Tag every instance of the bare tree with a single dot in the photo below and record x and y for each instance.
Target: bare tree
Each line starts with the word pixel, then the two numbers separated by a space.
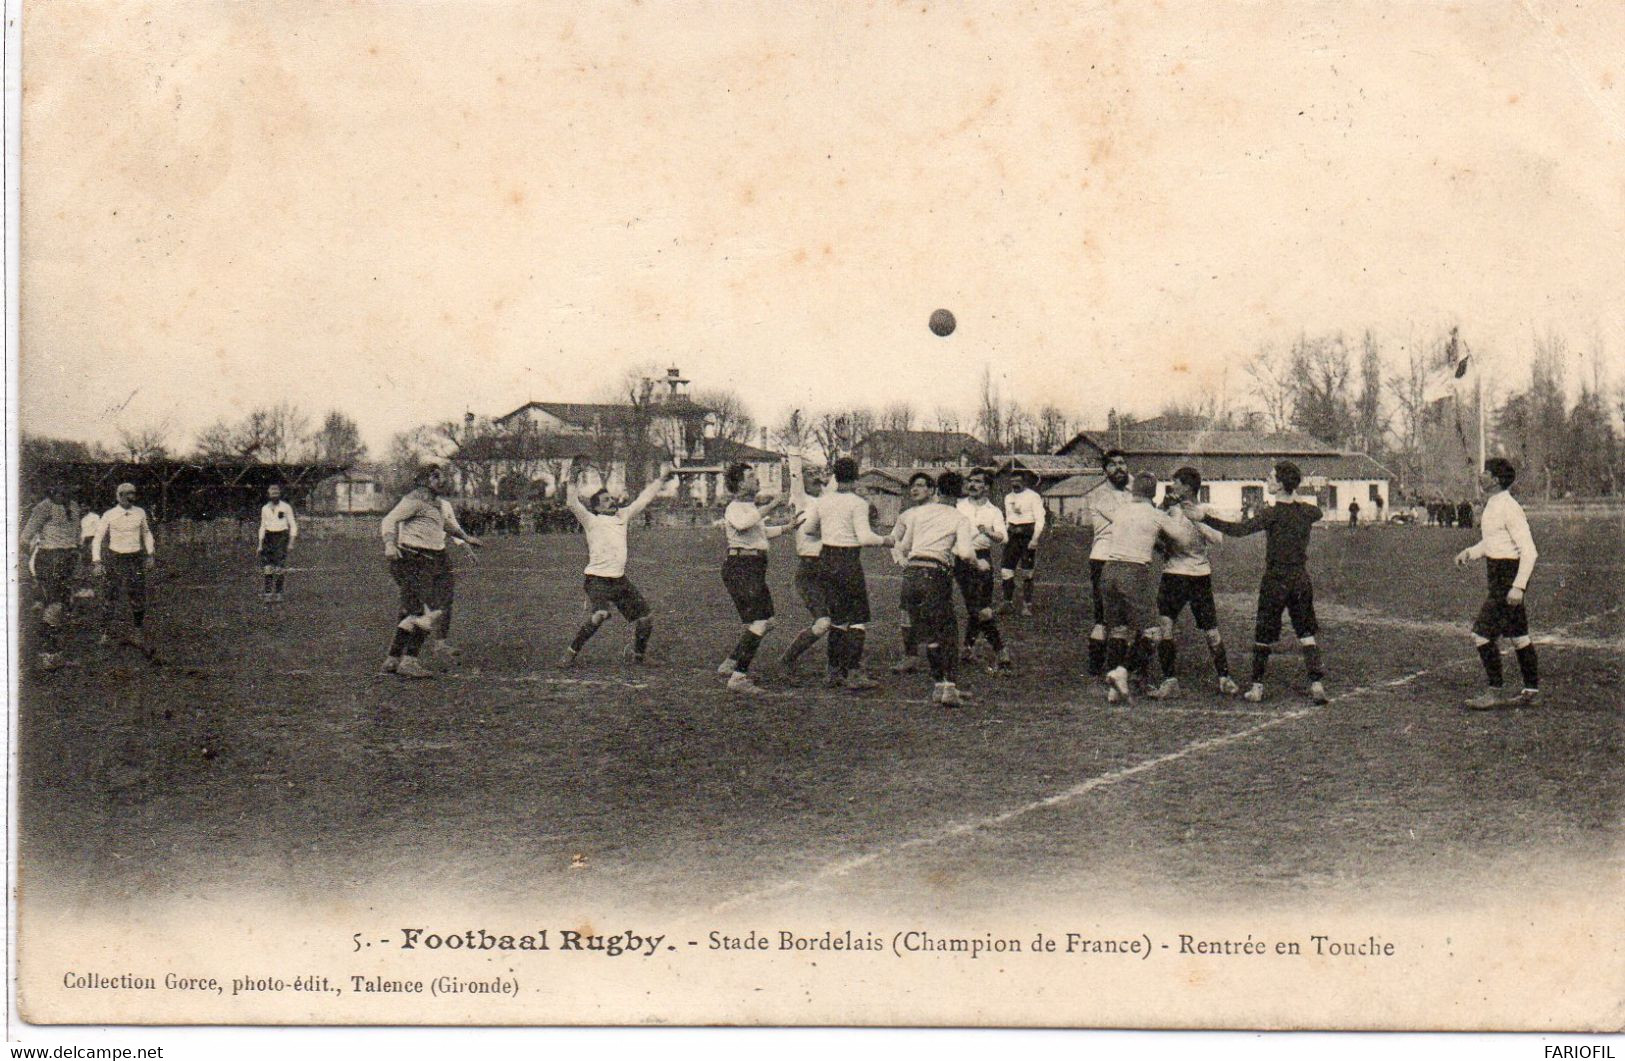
pixel 990 414
pixel 1370 425
pixel 898 416
pixel 144 444
pixel 733 420
pixel 1270 371
pixel 338 442
pixel 838 433
pixel 795 433
pixel 1053 429
pixel 945 419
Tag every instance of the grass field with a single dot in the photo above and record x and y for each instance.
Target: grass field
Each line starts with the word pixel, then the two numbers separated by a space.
pixel 266 751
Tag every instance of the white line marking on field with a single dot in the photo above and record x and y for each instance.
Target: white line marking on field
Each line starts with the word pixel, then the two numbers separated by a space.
pixel 844 866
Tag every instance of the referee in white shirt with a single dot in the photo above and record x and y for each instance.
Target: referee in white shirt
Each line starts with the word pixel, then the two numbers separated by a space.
pixel 123 552
pixel 1509 553
pixel 278 531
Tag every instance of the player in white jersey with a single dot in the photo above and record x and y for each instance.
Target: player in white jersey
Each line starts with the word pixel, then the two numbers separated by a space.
pixel 1125 584
pixel 929 538
pixel 1101 508
pixel 921 489
pixel 415 532
pixel 744 571
pixel 48 535
pixel 278 531
pixel 805 486
pixel 841 521
pixel 1187 580
pixel 1024 522
pixel 122 552
pixel 1509 556
pixel 604 581
pixel 975 577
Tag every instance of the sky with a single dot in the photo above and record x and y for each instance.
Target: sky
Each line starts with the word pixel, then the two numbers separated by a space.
pixel 409 211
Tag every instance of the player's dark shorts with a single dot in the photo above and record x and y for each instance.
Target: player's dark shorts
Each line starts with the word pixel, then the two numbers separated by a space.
pixel 1096 567
pixel 1018 552
pixel 274 549
pixel 425 579
pixel 928 600
pixel 126 578
pixel 1287 590
pixel 1497 618
pixel 1128 593
pixel 1174 592
pixel 53 575
pixel 844 587
pixel 745 576
pixel 975 585
pixel 810 586
pixel 618 593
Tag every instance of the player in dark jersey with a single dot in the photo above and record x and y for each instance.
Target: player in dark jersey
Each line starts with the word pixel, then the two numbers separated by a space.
pixel 1285 586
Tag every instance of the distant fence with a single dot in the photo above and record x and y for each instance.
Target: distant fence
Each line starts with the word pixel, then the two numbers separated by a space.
pixel 1577 506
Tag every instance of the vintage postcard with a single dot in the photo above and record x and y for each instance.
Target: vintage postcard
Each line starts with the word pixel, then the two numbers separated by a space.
pixel 1087 515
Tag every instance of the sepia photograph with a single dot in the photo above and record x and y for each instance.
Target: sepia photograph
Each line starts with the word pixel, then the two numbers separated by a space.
pixel 906 514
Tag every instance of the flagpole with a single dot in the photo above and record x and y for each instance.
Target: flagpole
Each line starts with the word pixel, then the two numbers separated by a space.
pixel 1482 455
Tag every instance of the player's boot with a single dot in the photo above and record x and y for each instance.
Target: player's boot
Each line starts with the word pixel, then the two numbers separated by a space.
pixel 936 692
pixel 1228 686
pixel 1488 700
pixel 727 667
pixel 1254 693
pixel 834 679
pixel 950 695
pixel 1003 661
pixel 1117 681
pixel 390 664
pixel 1165 691
pixel 1317 693
pixel 906 665
pixel 1026 610
pixel 1528 697
pixel 857 681
pixel 741 684
pixel 410 667
pixel 567 660
pixel 967 654
pixel 49 661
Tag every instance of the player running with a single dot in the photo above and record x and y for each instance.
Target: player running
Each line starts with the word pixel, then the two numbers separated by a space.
pixel 278 531
pixel 1101 507
pixel 604 522
pixel 1285 585
pixel 841 521
pixel 744 571
pixel 1187 580
pixel 414 534
pixel 1024 518
pixel 975 577
pixel 1509 556
pixel 929 538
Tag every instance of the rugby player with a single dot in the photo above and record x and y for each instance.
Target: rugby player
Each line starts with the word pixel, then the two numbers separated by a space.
pixel 930 537
pixel 841 521
pixel 744 571
pixel 1285 585
pixel 414 534
pixel 1187 580
pixel 975 577
pixel 1509 556
pixel 921 489
pixel 125 536
pixel 1101 507
pixel 805 486
pixel 604 521
pixel 49 535
pixel 1125 584
pixel 278 531
pixel 1024 519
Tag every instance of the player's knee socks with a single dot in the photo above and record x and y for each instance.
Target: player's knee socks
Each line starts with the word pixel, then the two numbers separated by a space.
pixel 911 644
pixel 1027 589
pixel 1009 587
pixel 936 655
pixel 1311 661
pixel 804 640
pixel 995 638
pixel 973 627
pixel 139 617
pixel 1529 665
pixel 1167 655
pixel 854 647
pixel 1116 651
pixel 1097 651
pixel 837 649
pixel 414 641
pixel 397 644
pixel 584 634
pixel 1221 661
pixel 1261 661
pixel 281 580
pixel 640 634
pixel 270 581
pixel 442 629
pixel 1489 653
pixel 1139 657
pixel 745 651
